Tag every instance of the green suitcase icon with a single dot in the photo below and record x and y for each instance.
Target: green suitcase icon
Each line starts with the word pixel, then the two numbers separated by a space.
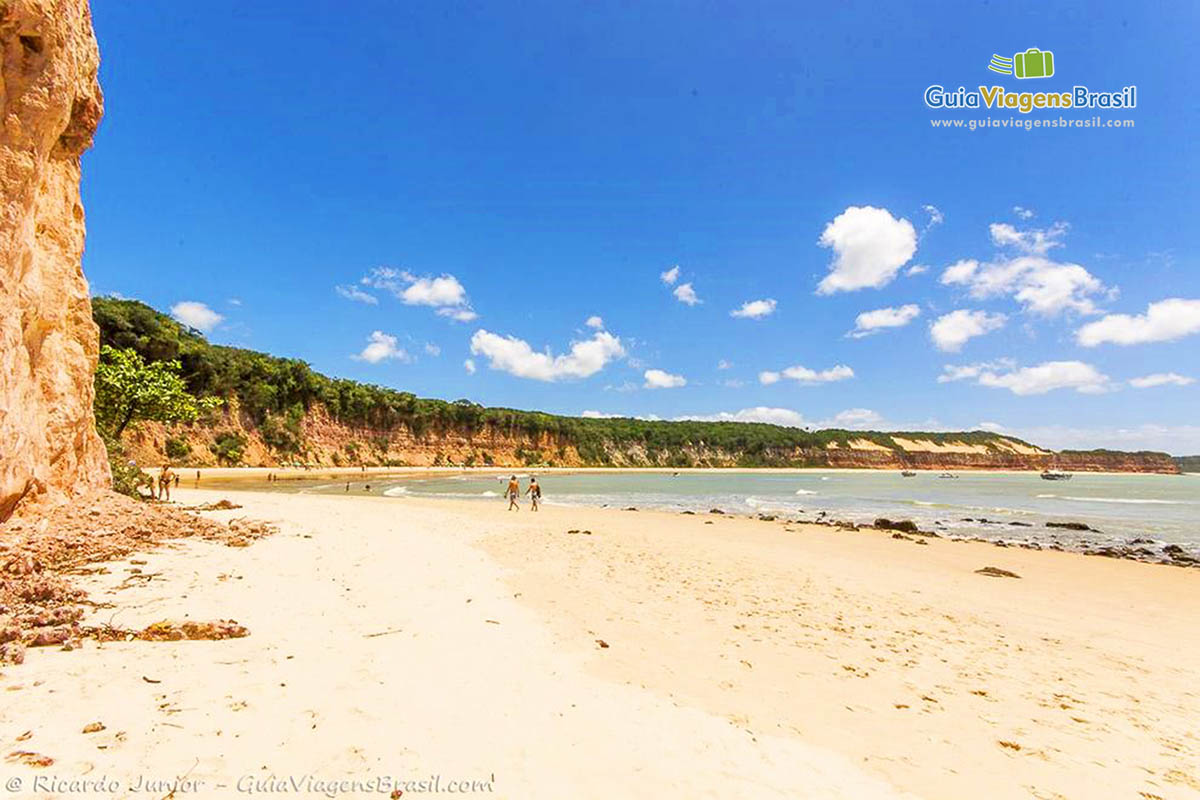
pixel 1034 63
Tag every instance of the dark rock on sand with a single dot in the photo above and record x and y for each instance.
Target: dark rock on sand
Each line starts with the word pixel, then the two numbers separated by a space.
pixel 715 511
pixel 996 572
pixel 906 525
pixel 1021 524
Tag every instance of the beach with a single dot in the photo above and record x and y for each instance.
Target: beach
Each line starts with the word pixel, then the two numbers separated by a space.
pixel 646 654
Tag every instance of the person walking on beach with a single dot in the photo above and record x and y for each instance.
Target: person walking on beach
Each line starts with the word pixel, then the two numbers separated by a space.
pixel 513 493
pixel 535 493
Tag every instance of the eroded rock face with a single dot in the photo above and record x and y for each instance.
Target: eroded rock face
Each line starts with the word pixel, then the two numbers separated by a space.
pixel 51 105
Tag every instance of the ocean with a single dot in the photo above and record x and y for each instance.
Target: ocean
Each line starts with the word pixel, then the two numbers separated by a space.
pixel 1162 508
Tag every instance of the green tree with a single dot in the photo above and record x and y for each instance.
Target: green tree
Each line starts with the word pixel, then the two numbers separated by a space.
pixel 128 389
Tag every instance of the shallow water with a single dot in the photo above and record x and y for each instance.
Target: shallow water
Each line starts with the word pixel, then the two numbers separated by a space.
pixel 1165 508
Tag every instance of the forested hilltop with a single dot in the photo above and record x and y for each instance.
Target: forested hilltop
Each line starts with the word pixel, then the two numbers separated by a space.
pixel 278 410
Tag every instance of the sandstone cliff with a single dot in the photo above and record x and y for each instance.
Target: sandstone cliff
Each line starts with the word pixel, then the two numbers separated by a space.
pixel 48 343
pixel 328 442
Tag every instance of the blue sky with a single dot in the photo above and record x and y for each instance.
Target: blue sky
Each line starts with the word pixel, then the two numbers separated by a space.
pixel 493 176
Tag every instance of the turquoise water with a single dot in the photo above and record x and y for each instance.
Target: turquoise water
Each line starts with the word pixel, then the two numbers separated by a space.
pixel 1165 508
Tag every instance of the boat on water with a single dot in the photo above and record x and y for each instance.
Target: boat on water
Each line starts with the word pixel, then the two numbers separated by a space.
pixel 948 475
pixel 908 473
pixel 1055 475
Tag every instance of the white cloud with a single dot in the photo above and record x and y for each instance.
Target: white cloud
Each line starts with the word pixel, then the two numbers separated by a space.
pixel 1163 321
pixel 869 248
pixel 196 315
pixel 1035 241
pixel 723 364
pixel 458 314
pixel 771 416
pixel 670 276
pixel 445 293
pixel 936 217
pixel 1177 439
pixel 806 376
pixel 1023 213
pixel 951 373
pixel 595 322
pixel 733 383
pixel 951 331
pixel 352 292
pixel 382 347
pixel 469 366
pixel 684 293
pixel 1042 285
pixel 432 349
pixel 515 356
pixel 1040 379
pixel 754 309
pixel 855 419
pixel 658 379
pixel 869 322
pixel 1161 379
pixel 916 269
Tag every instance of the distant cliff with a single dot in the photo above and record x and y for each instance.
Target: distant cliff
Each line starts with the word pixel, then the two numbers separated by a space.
pixel 278 411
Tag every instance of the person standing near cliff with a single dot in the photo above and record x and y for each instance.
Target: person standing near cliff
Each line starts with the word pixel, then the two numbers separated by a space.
pixel 513 493
pixel 165 477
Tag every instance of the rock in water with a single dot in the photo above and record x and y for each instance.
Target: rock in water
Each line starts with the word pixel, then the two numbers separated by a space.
pixel 48 342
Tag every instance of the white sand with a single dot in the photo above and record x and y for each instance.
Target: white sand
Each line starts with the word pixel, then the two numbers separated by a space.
pixel 745 661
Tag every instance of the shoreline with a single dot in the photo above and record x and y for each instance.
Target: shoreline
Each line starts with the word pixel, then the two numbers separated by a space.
pixel 589 652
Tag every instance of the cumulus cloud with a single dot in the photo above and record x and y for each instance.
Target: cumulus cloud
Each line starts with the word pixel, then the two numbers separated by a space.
pixel 879 320
pixel 1040 284
pixel 754 309
pixel 658 379
pixel 916 269
pixel 1161 379
pixel 685 294
pixel 515 356
pixel 444 293
pixel 196 315
pixel 1045 377
pixel 806 376
pixel 382 347
pixel 432 349
pixel 669 276
pixel 469 366
pixel 723 364
pixel 962 372
pixel 1163 321
pixel 1022 212
pixel 595 322
pixel 352 292
pixel 951 331
pixel 869 247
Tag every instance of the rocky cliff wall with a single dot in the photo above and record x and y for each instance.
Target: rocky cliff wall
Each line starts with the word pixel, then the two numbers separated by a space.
pixel 48 343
